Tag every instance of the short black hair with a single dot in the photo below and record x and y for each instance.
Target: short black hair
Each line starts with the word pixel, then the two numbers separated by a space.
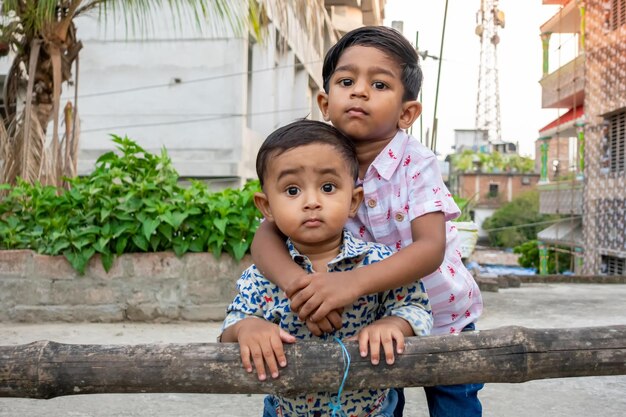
pixel 301 133
pixel 388 41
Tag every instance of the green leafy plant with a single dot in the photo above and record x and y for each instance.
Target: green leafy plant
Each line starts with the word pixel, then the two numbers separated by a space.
pixel 514 223
pixel 131 202
pixel 529 257
pixel 466 206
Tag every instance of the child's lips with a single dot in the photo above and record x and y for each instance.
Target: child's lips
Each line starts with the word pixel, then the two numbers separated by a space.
pixel 312 222
pixel 356 111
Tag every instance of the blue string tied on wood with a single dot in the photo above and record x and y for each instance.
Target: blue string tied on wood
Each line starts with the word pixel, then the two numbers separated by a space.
pixel 335 404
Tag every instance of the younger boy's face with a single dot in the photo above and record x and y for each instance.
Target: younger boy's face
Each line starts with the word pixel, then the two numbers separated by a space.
pixel 365 95
pixel 309 193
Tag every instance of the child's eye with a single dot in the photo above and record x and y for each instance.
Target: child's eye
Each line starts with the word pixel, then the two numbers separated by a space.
pixel 346 82
pixel 328 188
pixel 379 85
pixel 292 191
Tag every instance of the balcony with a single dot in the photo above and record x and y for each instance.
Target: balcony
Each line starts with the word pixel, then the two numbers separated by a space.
pixel 565 87
pixel 562 197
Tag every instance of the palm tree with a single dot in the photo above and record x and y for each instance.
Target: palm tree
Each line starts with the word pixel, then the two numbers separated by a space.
pixel 42 35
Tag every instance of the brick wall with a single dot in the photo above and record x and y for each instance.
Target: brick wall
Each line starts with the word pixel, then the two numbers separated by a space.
pixel 139 287
pixel 509 186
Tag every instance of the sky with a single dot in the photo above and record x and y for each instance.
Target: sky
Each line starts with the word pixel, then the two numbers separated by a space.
pixel 519 58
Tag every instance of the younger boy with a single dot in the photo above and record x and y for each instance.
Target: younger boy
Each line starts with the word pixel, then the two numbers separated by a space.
pixel 371 81
pixel 307 170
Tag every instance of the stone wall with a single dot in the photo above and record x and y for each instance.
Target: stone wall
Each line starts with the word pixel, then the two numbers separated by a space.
pixel 138 287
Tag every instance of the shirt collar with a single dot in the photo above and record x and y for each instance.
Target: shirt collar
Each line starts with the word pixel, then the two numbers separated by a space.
pixel 351 249
pixel 390 158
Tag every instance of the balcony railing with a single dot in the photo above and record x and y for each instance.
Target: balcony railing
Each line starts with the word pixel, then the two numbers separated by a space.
pixel 564 87
pixel 564 197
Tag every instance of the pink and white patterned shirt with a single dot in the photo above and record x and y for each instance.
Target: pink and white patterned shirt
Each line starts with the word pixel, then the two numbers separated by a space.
pixel 403 183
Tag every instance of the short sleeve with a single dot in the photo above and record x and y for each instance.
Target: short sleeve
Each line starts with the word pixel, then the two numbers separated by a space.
pixel 411 304
pixel 427 192
pixel 247 302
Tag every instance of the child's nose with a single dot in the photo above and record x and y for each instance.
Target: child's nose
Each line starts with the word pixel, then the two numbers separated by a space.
pixel 312 203
pixel 360 89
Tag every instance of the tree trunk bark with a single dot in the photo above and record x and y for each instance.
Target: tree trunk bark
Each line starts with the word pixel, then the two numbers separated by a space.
pixel 510 354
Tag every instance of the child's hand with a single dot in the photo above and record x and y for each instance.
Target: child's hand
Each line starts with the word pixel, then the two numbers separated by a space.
pixel 383 331
pixel 263 341
pixel 315 295
pixel 327 325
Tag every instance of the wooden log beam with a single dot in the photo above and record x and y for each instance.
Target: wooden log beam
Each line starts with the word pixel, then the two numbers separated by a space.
pixel 47 369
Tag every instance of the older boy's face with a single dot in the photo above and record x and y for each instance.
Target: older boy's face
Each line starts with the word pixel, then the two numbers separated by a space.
pixel 365 95
pixel 309 193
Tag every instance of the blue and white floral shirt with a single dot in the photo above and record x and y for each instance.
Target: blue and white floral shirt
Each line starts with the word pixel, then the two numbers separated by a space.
pixel 257 296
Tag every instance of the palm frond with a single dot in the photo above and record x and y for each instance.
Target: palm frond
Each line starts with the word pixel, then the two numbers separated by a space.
pixel 138 15
pixel 19 160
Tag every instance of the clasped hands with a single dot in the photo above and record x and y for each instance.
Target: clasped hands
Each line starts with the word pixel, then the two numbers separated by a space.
pixel 317 298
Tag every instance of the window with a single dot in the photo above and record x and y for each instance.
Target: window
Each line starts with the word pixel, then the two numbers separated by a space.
pixel 525 180
pixel 493 190
pixel 616 140
pixel 618 14
pixel 612 265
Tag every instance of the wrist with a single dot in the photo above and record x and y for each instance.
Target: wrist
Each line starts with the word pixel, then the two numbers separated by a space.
pixel 356 285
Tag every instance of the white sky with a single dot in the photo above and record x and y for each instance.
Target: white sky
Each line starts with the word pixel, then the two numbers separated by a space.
pixel 519 58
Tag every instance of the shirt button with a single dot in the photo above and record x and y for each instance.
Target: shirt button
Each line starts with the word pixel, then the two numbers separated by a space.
pixel 371 203
pixel 399 217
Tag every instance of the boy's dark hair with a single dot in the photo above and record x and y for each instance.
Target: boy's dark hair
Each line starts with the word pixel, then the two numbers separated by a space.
pixel 305 132
pixel 388 41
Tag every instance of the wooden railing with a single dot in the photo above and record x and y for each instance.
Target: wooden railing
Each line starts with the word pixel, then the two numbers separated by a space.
pixel 48 369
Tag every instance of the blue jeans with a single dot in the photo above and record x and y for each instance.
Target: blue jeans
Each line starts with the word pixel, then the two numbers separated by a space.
pixel 387 408
pixel 449 400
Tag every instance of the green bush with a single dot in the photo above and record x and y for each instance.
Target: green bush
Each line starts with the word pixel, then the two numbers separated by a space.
pixel 131 202
pixel 513 223
pixel 529 257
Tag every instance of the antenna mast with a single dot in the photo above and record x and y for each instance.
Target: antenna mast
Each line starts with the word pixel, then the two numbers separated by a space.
pixel 488 19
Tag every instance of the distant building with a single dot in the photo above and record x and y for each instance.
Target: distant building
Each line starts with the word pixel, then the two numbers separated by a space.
pixel 486 189
pixel 471 139
pixel 476 140
pixel 591 89
pixel 490 191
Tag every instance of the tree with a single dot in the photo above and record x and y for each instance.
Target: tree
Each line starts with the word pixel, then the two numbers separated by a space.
pixel 471 161
pixel 514 223
pixel 42 34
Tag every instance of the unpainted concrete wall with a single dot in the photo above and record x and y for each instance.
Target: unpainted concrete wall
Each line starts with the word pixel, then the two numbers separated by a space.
pixel 138 287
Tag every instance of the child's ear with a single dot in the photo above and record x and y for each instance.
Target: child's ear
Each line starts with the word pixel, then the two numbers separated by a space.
pixel 410 112
pixel 322 103
pixel 262 203
pixel 357 198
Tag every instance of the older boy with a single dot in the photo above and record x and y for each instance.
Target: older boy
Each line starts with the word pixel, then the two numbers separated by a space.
pixel 307 170
pixel 371 81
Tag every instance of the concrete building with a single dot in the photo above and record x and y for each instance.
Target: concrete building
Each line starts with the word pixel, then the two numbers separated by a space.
pixel 590 89
pixel 208 96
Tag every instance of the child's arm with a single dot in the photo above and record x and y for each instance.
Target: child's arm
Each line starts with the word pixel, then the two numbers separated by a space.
pixel 260 340
pixel 315 298
pixel 272 259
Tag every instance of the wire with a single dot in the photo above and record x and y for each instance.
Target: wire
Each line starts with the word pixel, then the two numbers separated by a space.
pixel 192 81
pixel 204 119
pixel 521 226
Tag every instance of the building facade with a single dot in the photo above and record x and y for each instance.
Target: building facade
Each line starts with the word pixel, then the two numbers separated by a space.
pixel 590 89
pixel 209 96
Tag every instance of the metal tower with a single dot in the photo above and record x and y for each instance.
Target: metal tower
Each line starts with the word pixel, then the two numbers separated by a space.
pixel 488 19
